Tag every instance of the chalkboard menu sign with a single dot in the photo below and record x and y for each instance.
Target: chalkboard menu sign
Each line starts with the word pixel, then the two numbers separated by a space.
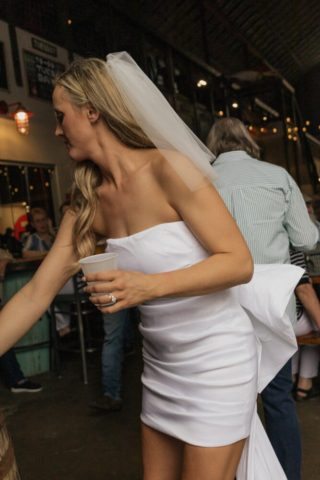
pixel 40 74
pixel 3 72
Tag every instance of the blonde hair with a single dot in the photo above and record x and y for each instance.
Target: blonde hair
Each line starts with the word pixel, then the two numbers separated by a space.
pixel 36 211
pixel 85 81
pixel 229 135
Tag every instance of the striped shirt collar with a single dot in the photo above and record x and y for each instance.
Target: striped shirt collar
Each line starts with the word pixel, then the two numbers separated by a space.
pixel 235 155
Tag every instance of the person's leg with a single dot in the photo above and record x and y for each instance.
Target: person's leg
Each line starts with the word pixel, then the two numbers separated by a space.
pixel 309 356
pixel 10 368
pixel 282 422
pixel 211 463
pixel 309 364
pixel 162 455
pixel 62 322
pixel 112 352
pixel 128 341
pixel 295 360
pixel 63 319
pixel 13 375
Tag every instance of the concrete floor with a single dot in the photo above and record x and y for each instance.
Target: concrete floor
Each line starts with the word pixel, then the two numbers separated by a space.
pixel 56 435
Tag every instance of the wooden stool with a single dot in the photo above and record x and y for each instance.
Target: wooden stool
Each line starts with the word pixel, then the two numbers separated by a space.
pixel 312 338
pixel 8 466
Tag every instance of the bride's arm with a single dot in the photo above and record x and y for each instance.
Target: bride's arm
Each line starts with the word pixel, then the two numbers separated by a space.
pixel 29 304
pixel 208 218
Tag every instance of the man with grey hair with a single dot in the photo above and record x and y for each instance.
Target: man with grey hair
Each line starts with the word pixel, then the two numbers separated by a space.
pixel 270 211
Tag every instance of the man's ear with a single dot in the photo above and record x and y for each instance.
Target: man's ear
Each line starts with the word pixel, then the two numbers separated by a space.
pixel 92 113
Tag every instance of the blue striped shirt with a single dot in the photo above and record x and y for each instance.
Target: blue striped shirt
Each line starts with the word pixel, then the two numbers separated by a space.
pixel 36 243
pixel 267 206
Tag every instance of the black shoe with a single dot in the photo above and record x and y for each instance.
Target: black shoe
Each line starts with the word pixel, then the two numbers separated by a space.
pixel 314 391
pixel 26 386
pixel 107 404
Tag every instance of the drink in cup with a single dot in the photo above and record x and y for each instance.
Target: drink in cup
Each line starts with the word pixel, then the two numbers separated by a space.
pixel 99 263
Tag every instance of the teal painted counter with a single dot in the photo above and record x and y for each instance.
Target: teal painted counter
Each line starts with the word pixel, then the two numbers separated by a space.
pixel 36 360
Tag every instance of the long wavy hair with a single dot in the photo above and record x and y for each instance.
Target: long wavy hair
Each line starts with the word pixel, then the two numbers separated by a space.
pixel 88 81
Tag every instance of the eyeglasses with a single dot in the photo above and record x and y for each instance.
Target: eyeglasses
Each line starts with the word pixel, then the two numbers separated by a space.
pixel 40 220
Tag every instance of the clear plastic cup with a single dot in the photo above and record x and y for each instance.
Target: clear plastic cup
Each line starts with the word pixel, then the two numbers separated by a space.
pixel 99 263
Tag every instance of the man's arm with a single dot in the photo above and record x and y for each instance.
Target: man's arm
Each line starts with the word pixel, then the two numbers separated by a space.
pixel 27 253
pixel 303 234
pixel 309 300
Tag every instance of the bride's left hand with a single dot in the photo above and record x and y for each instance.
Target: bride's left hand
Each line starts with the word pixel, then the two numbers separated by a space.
pixel 129 289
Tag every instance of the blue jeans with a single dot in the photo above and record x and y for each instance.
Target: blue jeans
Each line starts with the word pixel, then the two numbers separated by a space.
pixel 282 422
pixel 119 334
pixel 10 368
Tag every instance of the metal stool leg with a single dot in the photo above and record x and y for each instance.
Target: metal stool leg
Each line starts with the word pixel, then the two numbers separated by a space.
pixel 81 333
pixel 56 352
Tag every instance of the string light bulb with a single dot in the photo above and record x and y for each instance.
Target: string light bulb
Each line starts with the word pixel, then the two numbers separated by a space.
pixel 235 105
pixel 274 130
pixel 288 120
pixel 307 122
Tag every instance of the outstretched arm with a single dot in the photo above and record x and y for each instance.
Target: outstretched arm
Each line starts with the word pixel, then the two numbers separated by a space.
pixel 309 300
pixel 29 304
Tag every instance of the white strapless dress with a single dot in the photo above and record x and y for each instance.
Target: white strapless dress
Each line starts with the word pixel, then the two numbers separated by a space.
pixel 207 357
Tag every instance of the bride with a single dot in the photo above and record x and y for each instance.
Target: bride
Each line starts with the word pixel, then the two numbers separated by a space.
pixel 144 182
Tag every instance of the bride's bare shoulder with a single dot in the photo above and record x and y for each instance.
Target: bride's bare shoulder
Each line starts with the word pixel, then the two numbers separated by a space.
pixel 175 172
pixel 167 163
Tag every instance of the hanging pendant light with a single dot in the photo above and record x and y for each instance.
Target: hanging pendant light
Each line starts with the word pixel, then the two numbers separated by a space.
pixel 21 116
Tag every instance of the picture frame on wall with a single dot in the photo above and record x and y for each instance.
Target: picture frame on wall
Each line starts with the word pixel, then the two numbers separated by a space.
pixel 4 84
pixel 40 73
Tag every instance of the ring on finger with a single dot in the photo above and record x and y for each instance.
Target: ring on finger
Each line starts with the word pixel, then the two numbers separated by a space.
pixel 113 299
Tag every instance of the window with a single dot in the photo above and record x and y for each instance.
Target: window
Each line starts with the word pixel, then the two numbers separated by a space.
pixel 22 187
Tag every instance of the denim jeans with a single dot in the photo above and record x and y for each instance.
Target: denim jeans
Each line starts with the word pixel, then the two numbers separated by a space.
pixel 10 368
pixel 282 422
pixel 119 334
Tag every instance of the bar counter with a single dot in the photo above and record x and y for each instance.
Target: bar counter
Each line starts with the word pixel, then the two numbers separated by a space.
pixel 32 360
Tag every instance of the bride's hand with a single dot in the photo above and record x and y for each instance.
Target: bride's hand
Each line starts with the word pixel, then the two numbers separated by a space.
pixel 128 288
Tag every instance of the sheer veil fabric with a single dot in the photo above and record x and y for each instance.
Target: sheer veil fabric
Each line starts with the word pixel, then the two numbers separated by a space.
pixel 172 137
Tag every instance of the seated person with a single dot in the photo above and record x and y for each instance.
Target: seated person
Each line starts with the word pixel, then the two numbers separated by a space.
pixel 9 366
pixel 43 237
pixel 305 362
pixel 9 242
pixel 41 241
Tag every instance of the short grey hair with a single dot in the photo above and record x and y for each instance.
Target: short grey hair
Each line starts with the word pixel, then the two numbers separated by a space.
pixel 229 135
